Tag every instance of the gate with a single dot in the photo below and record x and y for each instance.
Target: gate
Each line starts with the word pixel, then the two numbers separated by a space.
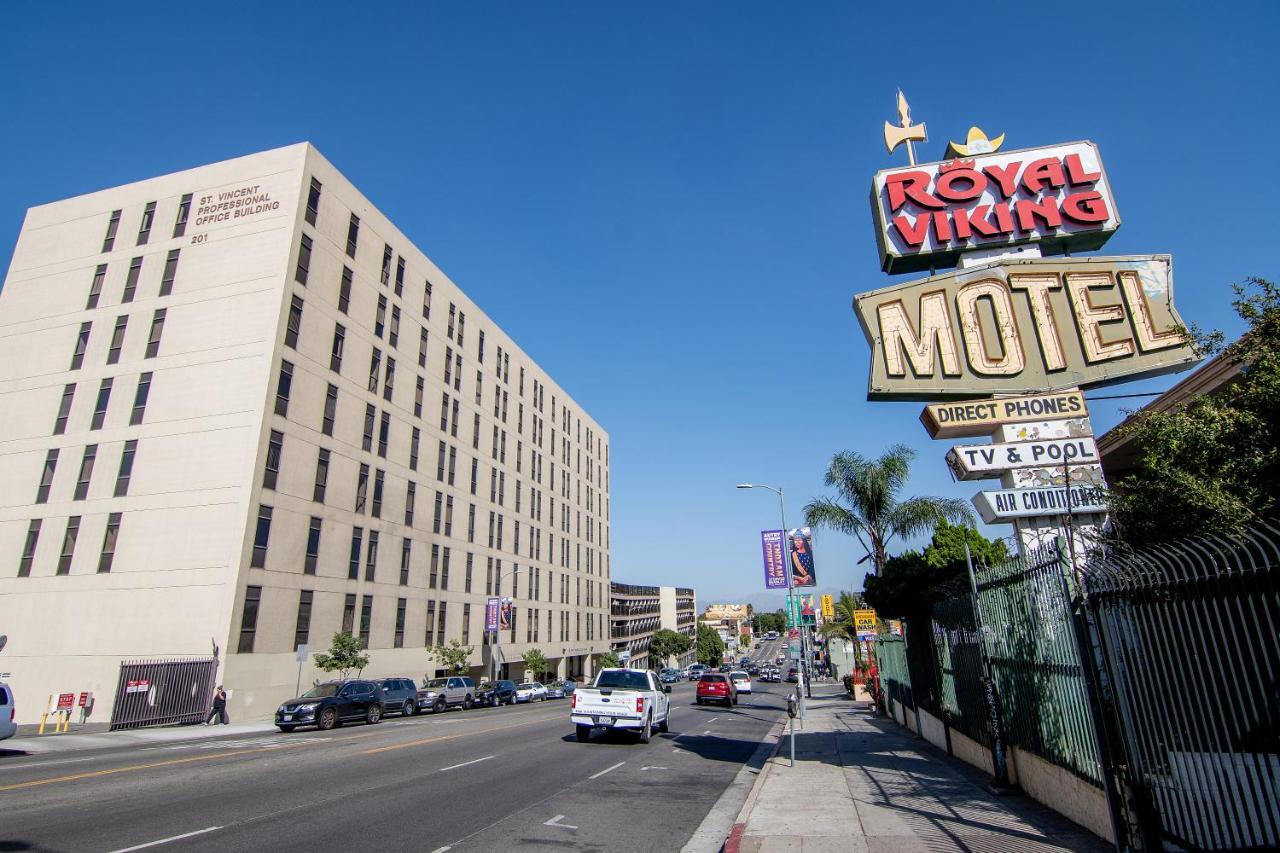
pixel 1190 640
pixel 163 692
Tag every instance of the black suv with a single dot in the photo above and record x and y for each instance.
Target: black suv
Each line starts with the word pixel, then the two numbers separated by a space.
pixel 400 695
pixel 331 704
pixel 500 693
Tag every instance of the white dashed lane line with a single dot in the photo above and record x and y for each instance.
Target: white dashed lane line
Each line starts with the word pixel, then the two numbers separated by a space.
pixel 604 771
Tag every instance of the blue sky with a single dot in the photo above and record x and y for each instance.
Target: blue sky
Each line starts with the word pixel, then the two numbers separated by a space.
pixel 666 203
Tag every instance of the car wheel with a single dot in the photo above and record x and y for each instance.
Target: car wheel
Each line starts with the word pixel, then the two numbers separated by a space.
pixel 511 701
pixel 665 725
pixel 647 732
pixel 439 707
pixel 699 700
pixel 328 719
pixel 494 702
pixel 286 729
pixel 409 708
pixel 583 733
pixel 373 715
pixel 466 703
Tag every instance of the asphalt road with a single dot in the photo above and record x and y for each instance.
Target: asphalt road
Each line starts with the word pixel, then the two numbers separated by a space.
pixel 478 780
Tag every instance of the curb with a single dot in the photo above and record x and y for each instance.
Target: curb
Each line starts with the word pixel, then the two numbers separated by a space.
pixel 734 841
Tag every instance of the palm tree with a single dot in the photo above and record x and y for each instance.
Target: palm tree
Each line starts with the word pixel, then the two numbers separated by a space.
pixel 871 509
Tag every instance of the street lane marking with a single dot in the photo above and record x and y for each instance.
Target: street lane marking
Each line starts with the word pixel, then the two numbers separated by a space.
pixel 555 821
pixel 464 764
pixel 441 849
pixel 604 771
pixel 167 840
pixel 407 744
pixel 35 783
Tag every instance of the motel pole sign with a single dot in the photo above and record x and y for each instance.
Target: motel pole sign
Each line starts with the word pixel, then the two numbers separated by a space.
pixel 1004 340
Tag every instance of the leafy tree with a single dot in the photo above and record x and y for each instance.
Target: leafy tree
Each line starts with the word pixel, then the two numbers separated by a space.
pixel 710 646
pixel 762 623
pixel 913 580
pixel 667 644
pixel 872 510
pixel 452 658
pixel 947 547
pixel 535 663
pixel 1212 463
pixel 610 660
pixel 345 654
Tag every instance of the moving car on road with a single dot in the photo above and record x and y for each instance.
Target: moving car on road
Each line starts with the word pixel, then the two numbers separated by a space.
pixel 741 681
pixel 696 671
pixel 715 687
pixel 439 694
pixel 332 704
pixel 621 699
pixel 496 693
pixel 531 691
pixel 399 696
pixel 669 676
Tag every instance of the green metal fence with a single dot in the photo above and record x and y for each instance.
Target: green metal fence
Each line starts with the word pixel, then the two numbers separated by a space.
pixel 957 647
pixel 891 661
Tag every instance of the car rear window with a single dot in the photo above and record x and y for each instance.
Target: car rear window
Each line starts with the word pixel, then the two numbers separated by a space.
pixel 4 696
pixel 623 680
pixel 712 678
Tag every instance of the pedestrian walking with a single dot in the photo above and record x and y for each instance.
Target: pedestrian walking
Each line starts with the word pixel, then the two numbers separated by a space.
pixel 219 708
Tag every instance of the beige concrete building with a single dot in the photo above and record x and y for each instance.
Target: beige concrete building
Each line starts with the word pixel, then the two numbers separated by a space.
pixel 637 612
pixel 240 411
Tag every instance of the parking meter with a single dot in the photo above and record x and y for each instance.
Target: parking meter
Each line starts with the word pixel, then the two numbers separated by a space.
pixel 793 706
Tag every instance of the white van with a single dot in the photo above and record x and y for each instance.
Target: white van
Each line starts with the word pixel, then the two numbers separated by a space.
pixel 7 726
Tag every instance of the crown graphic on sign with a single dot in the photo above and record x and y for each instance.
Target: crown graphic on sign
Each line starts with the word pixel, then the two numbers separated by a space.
pixel 976 143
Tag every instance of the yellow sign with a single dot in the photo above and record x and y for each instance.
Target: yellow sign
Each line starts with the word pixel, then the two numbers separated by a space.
pixel 864 620
pixel 828 607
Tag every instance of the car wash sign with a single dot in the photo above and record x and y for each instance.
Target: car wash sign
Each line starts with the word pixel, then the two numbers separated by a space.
pixel 1057 197
pixel 1024 327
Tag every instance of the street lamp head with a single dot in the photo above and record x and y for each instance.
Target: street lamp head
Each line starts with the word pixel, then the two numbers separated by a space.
pixel 745 486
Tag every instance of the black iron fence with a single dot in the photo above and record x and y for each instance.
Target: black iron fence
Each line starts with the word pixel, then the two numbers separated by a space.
pixel 163 692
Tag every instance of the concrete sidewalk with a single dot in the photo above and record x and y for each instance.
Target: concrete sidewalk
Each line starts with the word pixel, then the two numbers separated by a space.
pixel 97 737
pixel 862 783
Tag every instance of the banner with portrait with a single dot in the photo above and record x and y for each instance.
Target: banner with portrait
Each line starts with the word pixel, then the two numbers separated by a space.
pixel 800 556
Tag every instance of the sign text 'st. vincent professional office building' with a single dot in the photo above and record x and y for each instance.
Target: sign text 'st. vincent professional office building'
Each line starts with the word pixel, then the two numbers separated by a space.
pixel 240 412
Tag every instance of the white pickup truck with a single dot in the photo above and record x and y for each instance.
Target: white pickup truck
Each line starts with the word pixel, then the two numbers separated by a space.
pixel 629 699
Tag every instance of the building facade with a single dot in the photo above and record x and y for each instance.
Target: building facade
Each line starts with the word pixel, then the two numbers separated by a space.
pixel 241 412
pixel 636 613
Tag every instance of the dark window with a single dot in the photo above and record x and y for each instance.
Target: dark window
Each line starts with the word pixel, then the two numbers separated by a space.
pixel 444 569
pixel 170 272
pixel 109 538
pixel 431 622
pixel 100 407
pixel 271 472
pixel 384 434
pixel 439 513
pixel 393 335
pixel 131 279
pixel 417 397
pixel 117 340
pixel 440 623
pixel 184 210
pixel 302 628
pixel 471 558
pixel 157 329
pixel 249 619
pixel 453 320
pixel 349 613
pixel 86 472
pixel 339 344
pixel 413 448
pixel 371 557
pixel 29 548
pixel 330 409
pixel 482 346
pixel 82 344
pixel 366 618
pixel 344 291
pixel 410 499
pixel 64 408
pixel 370 418
pixel 362 487
pixel 95 289
pixel 313 547
pixel 109 242
pixel 385 277
pixel 466 623
pixel 283 385
pixel 462 323
pixel 295 322
pixel 448 366
pixel 260 537
pixel 375 364
pixel 453 463
pixel 69 545
pixel 313 202
pixel 400 608
pixel 46 476
pixel 433 579
pixel 379 481
pixel 322 476
pixel 140 399
pixel 126 467
pixel 353 235
pixel 144 227
pixel 422 349
pixel 426 301
pixel 389 379
pixel 399 276
pixel 304 261
pixel 353 564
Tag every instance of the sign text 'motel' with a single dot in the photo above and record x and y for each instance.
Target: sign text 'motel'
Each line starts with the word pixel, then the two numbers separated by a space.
pixel 979 461
pixel 1021 327
pixel 1056 196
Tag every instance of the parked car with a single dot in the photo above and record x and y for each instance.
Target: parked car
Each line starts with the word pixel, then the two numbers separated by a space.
pixel 569 686
pixel 715 687
pixel 741 681
pixel 669 676
pixel 399 695
pixel 555 690
pixel 622 699
pixel 440 694
pixel 531 691
pixel 7 703
pixel 792 675
pixel 496 693
pixel 332 704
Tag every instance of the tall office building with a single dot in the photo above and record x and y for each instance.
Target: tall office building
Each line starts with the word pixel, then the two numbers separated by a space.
pixel 241 412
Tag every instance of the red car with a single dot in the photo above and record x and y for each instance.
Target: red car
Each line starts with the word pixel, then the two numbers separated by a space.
pixel 716 687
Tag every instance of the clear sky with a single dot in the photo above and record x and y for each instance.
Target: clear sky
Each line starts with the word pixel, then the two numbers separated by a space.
pixel 666 203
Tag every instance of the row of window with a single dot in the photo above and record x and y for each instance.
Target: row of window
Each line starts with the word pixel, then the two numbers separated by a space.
pixel 141 392
pixel 147 221
pixel 167 279
pixel 87 460
pixel 434 625
pixel 117 339
pixel 69 537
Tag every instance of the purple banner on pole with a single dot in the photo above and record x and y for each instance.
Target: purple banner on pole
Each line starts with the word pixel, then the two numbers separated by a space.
pixel 491 615
pixel 775 566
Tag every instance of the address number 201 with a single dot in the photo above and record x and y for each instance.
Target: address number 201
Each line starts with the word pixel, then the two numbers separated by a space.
pixel 199 238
